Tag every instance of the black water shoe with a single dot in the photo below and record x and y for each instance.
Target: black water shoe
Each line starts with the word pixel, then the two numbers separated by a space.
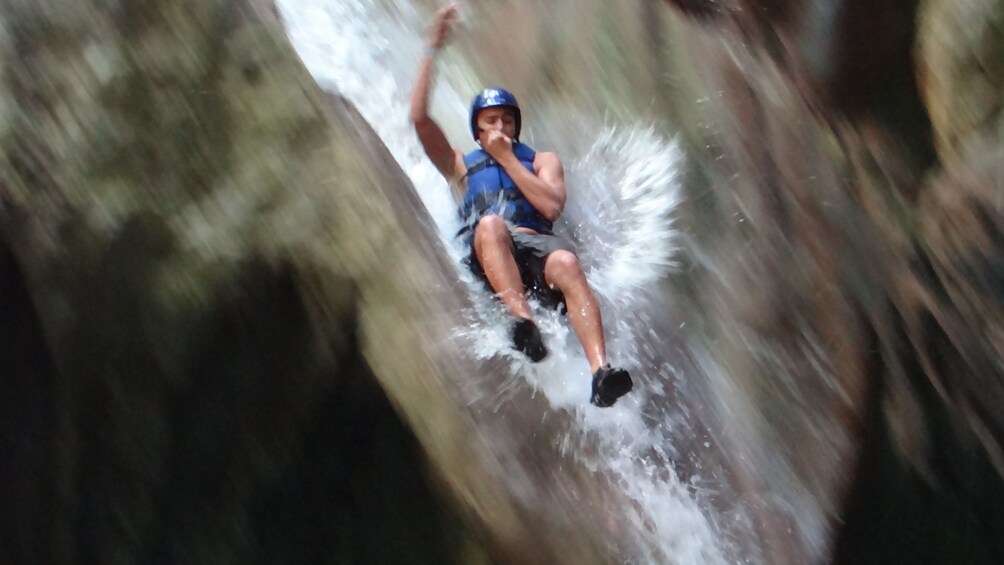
pixel 527 339
pixel 609 384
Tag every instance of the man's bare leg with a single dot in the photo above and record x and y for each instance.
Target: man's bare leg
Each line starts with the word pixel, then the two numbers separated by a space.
pixel 562 270
pixel 493 247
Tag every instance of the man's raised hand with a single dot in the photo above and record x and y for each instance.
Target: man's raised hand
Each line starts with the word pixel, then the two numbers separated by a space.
pixel 442 26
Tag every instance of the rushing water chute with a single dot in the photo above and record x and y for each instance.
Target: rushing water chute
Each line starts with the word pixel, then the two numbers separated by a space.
pixel 623 187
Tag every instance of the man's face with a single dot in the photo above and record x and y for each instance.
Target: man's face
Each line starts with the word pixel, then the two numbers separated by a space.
pixel 501 119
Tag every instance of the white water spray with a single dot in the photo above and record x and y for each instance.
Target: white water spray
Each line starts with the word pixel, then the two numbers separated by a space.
pixel 621 196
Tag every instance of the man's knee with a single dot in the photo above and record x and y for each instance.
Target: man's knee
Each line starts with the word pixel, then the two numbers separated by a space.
pixel 491 229
pixel 562 266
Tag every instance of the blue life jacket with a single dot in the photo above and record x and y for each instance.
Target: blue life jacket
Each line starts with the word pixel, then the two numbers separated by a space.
pixel 491 191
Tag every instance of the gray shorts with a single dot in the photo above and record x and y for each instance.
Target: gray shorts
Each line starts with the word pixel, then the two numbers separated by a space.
pixel 531 252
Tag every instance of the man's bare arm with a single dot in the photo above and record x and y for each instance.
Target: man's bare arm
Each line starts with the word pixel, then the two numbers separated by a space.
pixel 546 189
pixel 433 140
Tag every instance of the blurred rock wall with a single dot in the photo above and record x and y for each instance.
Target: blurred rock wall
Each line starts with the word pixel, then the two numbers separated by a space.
pixel 850 167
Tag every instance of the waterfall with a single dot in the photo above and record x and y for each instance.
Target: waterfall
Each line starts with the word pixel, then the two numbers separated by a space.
pixel 623 187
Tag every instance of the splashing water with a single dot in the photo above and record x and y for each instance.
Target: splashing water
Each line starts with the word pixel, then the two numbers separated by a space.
pixel 629 188
pixel 622 192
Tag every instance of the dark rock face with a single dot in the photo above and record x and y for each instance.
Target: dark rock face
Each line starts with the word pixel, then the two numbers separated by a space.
pixel 233 315
pixel 183 381
pixel 252 458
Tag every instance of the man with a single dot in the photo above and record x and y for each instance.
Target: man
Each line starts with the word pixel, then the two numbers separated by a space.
pixel 510 196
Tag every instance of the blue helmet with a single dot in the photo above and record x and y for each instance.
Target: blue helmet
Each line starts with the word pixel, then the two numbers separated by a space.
pixel 492 98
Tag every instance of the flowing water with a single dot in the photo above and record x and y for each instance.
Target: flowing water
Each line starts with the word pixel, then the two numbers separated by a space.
pixel 623 186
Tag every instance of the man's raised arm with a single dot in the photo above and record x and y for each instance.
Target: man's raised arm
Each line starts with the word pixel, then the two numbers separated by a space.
pixel 429 133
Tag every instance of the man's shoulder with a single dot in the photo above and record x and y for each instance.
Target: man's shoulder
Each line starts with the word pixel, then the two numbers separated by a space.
pixel 546 157
pixel 547 154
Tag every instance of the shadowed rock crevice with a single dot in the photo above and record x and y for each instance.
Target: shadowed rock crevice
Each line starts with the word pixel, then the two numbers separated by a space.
pixel 261 445
pixel 946 509
pixel 873 73
pixel 27 410
pixel 357 491
pixel 704 10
